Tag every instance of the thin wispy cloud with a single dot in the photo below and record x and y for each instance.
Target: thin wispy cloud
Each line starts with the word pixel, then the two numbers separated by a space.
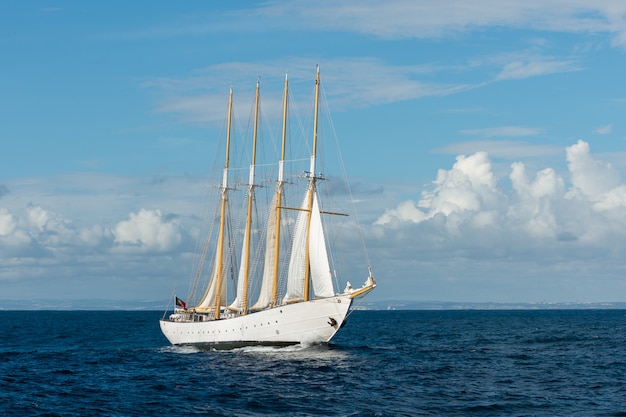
pixel 525 69
pixel 604 130
pixel 356 83
pixel 400 19
pixel 507 131
pixel 506 149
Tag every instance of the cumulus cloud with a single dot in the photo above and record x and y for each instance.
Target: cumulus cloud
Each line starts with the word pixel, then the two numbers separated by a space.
pixel 7 223
pixel 148 230
pixel 469 186
pixel 468 203
pixel 37 232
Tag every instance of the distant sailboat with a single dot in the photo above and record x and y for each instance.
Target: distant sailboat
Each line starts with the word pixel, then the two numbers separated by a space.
pixel 296 301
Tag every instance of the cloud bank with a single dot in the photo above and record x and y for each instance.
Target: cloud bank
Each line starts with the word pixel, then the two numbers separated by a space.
pixel 468 203
pixel 470 233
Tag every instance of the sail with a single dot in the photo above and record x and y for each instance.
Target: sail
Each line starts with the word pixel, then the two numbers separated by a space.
pixel 265 294
pixel 237 304
pixel 209 296
pixel 320 268
pixel 297 261
pixel 318 256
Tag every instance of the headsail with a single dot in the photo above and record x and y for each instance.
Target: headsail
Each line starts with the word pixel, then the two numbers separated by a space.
pixel 320 268
pixel 297 261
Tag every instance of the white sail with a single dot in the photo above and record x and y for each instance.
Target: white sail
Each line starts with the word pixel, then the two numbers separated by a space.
pixel 265 294
pixel 297 261
pixel 320 268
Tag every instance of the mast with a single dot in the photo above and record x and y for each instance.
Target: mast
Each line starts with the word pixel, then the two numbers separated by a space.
pixel 219 262
pixel 246 260
pixel 279 195
pixel 312 179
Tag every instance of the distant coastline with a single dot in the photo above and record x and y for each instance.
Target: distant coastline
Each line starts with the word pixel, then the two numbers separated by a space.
pixel 130 305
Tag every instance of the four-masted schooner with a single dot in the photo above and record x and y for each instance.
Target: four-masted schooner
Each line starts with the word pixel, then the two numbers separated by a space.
pixel 308 309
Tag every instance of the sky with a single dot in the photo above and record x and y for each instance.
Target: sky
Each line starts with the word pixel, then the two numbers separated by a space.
pixel 485 140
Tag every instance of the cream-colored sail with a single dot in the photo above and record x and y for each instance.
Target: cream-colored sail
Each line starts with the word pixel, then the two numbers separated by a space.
pixel 215 295
pixel 265 293
pixel 241 301
pixel 209 296
pixel 268 294
pixel 237 304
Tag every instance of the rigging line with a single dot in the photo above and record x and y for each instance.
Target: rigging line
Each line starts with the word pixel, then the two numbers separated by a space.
pixel 344 174
pixel 168 303
pixel 231 262
pixel 198 268
pixel 300 126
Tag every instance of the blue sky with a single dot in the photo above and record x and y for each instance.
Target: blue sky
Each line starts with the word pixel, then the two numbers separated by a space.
pixel 485 141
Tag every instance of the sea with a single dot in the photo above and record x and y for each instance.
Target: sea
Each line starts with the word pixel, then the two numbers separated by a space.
pixel 382 363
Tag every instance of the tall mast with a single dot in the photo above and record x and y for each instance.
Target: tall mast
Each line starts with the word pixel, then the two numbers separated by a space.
pixel 279 195
pixel 246 260
pixel 219 262
pixel 312 179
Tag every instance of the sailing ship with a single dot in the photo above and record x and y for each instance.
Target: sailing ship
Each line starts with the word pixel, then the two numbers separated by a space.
pixel 296 299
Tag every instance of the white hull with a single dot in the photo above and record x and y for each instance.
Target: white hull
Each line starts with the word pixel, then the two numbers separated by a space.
pixel 315 321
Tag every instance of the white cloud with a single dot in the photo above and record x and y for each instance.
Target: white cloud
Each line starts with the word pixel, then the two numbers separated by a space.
pixel 504 131
pixel 470 204
pixel 604 130
pixel 532 208
pixel 448 18
pixel 357 82
pixel 590 177
pixel 506 149
pixel 468 187
pixel 147 230
pixel 401 19
pixel 525 69
pixel 470 235
pixel 7 223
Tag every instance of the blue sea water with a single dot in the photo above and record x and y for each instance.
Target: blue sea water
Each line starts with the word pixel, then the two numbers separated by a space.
pixel 383 363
